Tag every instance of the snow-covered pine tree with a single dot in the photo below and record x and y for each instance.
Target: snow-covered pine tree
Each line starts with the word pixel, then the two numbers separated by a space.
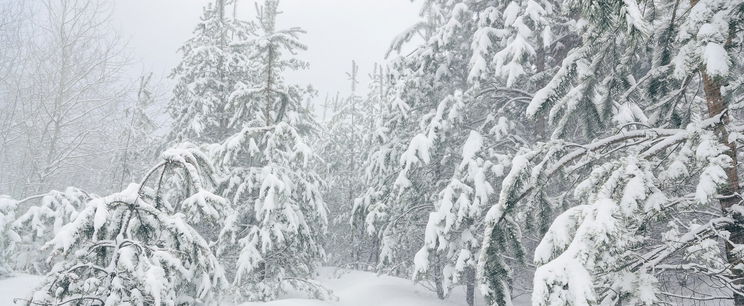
pixel 659 77
pixel 281 216
pixel 213 63
pixel 133 247
pixel 449 135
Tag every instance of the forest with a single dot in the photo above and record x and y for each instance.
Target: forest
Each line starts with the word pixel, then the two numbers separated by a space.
pixel 504 152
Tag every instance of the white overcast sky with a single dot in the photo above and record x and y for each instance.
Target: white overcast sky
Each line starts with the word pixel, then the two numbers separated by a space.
pixel 338 31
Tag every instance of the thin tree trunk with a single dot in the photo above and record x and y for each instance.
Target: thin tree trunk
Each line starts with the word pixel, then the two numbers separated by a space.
pixel 470 286
pixel 374 254
pixel 541 123
pixel 224 91
pixel 58 100
pixel 356 245
pixel 269 85
pixel 438 277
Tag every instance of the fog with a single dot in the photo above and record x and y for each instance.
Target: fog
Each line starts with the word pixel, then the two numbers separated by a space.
pixel 338 31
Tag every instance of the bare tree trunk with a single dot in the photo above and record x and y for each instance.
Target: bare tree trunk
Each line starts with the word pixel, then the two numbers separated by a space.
pixel 730 193
pixel 269 84
pixel 470 286
pixel 438 277
pixel 224 118
pixel 356 245
pixel 58 100
pixel 374 254
pixel 541 121
pixel 221 9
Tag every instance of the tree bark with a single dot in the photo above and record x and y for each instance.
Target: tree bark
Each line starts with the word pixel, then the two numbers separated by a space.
pixel 470 286
pixel 269 85
pixel 730 192
pixel 438 277
pixel 730 195
pixel 374 254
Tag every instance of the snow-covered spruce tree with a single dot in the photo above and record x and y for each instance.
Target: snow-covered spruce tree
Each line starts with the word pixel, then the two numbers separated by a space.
pixel 281 217
pixel 643 228
pixel 134 248
pixel 449 135
pixel 213 62
pixel 348 131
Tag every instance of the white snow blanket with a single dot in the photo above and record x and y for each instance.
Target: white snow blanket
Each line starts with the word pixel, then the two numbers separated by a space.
pixel 17 286
pixel 353 288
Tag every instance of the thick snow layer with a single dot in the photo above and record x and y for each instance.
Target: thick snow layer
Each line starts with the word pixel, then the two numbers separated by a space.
pixel 17 286
pixel 355 288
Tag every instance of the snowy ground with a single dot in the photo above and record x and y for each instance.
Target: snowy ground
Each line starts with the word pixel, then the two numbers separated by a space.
pixel 353 288
pixel 17 286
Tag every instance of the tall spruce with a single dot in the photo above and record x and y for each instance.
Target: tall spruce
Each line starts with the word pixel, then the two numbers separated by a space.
pixel 281 217
pixel 214 62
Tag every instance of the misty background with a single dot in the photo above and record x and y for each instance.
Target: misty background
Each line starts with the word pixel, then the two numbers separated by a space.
pixel 338 31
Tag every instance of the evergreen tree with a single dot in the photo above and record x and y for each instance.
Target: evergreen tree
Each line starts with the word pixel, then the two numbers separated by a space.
pixel 135 248
pixel 642 95
pixel 349 130
pixel 449 134
pixel 213 63
pixel 281 216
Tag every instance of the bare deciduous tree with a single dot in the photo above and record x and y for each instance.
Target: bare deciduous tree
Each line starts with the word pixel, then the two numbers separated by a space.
pixel 63 96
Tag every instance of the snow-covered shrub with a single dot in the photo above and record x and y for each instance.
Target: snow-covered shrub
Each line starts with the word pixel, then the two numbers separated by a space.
pixel 8 236
pixel 42 219
pixel 134 248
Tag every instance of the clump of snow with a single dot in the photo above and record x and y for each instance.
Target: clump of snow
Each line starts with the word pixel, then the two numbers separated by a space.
pixel 715 58
pixel 634 17
pixel 418 150
pixel 472 145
